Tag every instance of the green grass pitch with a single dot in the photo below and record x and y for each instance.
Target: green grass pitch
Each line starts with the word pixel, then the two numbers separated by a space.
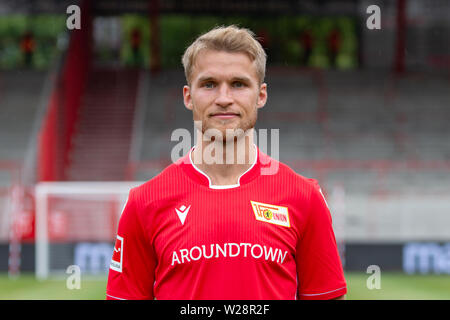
pixel 394 286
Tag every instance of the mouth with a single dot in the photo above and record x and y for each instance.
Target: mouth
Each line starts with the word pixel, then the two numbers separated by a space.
pixel 224 115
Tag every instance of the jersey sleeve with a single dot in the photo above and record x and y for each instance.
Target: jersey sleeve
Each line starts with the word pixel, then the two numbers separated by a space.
pixel 319 269
pixel 131 273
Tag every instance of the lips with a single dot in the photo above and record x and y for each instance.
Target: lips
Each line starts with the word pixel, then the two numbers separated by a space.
pixel 225 115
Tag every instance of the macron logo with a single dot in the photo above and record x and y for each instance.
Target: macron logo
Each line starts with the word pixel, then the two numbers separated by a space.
pixel 182 213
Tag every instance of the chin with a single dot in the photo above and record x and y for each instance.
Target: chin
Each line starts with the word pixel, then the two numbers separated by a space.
pixel 238 129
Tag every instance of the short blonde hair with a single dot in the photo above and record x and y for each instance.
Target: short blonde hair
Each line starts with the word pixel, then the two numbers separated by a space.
pixel 229 39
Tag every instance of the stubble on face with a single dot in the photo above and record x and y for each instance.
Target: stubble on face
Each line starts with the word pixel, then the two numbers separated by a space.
pixel 212 131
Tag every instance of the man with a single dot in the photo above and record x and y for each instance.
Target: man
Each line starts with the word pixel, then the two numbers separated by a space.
pixel 211 226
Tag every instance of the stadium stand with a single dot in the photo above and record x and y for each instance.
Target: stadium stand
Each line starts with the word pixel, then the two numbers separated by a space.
pixel 359 121
pixel 18 110
pixel 164 112
pixel 17 114
pixel 101 144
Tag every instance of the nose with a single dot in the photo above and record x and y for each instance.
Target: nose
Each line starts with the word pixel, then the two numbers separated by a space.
pixel 224 98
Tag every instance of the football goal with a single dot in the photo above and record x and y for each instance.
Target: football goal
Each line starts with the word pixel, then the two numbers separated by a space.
pixel 76 224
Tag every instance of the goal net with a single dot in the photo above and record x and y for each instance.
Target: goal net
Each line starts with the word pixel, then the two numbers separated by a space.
pixel 76 224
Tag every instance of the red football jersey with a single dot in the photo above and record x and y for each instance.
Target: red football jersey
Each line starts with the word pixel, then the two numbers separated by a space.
pixel 268 237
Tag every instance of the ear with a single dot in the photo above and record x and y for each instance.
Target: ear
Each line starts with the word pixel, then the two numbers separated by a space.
pixel 187 97
pixel 262 96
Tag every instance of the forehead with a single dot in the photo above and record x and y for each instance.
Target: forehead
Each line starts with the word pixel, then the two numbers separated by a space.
pixel 223 64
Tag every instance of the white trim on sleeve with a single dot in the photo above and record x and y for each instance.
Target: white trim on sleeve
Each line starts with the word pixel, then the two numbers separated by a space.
pixel 115 297
pixel 318 294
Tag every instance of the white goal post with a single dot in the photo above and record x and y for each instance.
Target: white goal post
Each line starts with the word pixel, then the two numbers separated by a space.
pixel 72 214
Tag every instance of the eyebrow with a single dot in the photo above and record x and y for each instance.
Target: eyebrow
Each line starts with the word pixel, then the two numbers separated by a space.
pixel 243 79
pixel 209 78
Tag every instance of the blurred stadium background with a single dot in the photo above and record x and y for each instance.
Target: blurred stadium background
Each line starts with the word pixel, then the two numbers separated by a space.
pixel 86 114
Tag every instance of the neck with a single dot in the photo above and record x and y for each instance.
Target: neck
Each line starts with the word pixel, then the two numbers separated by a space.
pixel 224 162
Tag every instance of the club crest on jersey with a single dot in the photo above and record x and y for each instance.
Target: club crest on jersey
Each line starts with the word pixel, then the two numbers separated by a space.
pixel 271 213
pixel 116 261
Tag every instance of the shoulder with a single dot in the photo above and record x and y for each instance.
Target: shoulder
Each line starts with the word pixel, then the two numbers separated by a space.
pixel 302 194
pixel 158 187
pixel 282 173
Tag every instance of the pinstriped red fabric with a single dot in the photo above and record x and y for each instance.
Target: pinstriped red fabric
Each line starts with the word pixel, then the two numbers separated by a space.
pixel 268 237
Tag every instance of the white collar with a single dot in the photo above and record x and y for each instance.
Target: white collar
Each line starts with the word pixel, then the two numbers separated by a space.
pixel 228 186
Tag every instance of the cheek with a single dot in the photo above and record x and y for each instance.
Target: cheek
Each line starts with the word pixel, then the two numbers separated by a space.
pixel 240 95
pixel 249 100
pixel 201 101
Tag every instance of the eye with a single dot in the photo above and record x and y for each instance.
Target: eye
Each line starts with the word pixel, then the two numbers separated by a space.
pixel 209 84
pixel 238 84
